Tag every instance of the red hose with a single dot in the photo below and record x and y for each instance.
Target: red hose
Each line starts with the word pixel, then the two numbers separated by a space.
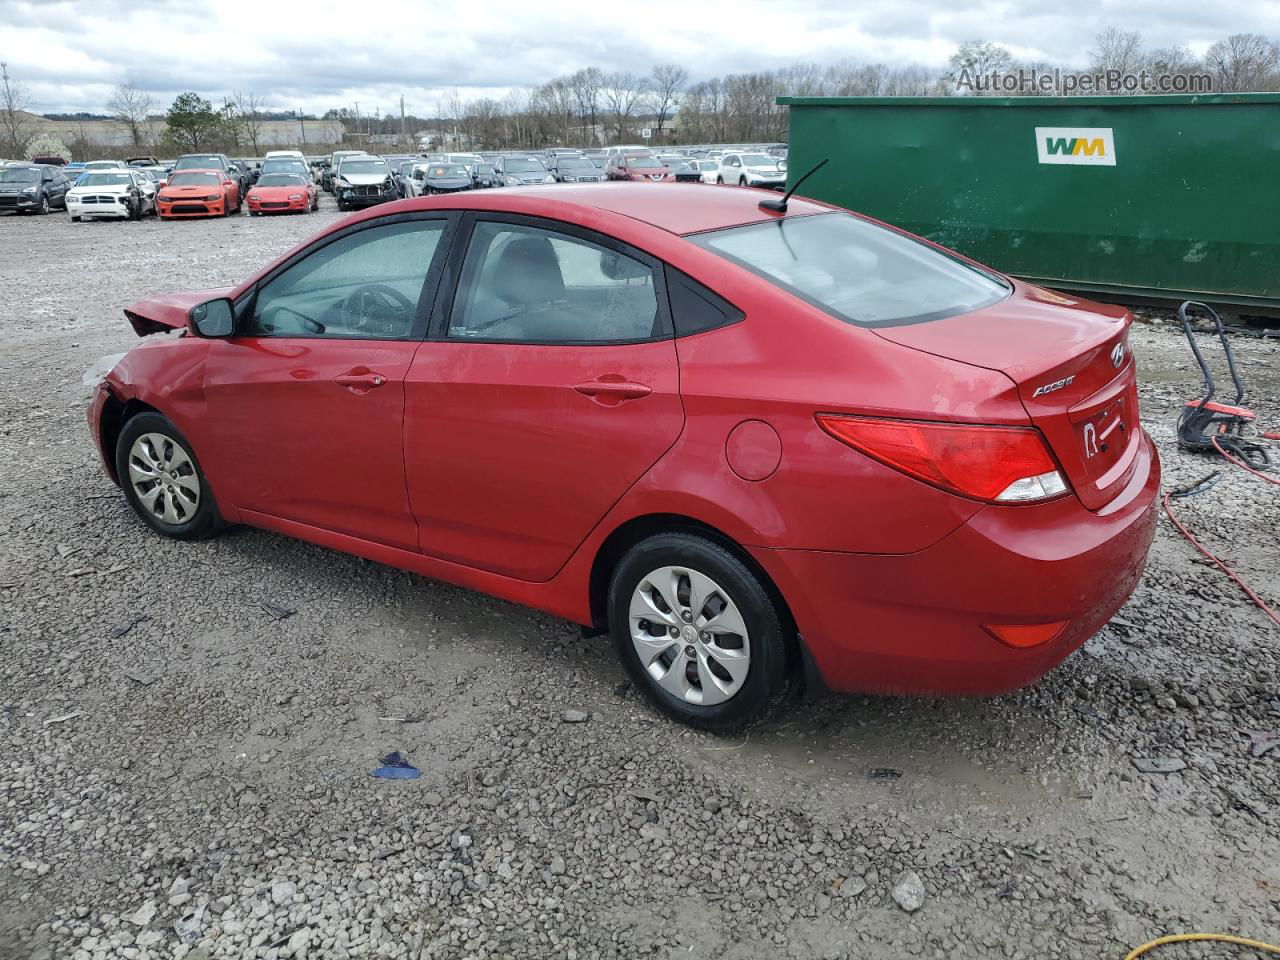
pixel 1262 604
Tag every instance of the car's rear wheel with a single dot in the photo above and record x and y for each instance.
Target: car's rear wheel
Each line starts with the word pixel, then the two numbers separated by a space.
pixel 162 479
pixel 699 632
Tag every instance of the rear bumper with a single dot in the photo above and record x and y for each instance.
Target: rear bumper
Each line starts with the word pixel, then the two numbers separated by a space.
pixel 914 624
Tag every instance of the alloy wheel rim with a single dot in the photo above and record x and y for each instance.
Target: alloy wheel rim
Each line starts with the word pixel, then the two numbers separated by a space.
pixel 164 478
pixel 690 635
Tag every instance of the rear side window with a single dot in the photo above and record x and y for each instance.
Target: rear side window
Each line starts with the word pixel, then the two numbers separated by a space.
pixel 694 308
pixel 538 286
pixel 857 271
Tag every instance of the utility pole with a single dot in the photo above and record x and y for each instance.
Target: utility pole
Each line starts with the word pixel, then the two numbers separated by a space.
pixel 357 121
pixel 302 123
pixel 404 138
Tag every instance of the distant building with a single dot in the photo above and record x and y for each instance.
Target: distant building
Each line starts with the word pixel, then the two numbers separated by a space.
pixel 113 133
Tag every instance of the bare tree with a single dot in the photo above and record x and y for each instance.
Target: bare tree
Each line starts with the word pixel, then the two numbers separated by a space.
pixel 17 124
pixel 622 92
pixel 1244 61
pixel 666 86
pixel 131 107
pixel 249 117
pixel 975 60
pixel 1117 50
pixel 586 86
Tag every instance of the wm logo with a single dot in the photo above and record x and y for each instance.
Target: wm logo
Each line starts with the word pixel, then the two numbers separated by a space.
pixel 1076 146
pixel 1084 146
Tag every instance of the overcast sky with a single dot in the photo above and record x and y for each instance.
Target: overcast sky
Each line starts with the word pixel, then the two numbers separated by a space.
pixel 319 54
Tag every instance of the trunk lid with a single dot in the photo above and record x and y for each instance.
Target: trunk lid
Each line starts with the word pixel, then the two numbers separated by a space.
pixel 1075 376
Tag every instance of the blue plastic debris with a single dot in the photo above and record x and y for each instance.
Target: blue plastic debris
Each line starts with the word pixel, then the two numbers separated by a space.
pixel 396 767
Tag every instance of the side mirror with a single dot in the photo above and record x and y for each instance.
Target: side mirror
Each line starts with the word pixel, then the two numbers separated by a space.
pixel 215 318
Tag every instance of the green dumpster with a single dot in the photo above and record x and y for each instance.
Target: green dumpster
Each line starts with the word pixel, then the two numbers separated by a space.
pixel 1127 198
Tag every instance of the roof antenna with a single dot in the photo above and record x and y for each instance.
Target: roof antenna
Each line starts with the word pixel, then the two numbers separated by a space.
pixel 781 205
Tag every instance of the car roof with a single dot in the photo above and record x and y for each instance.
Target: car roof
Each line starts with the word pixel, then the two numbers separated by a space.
pixel 676 208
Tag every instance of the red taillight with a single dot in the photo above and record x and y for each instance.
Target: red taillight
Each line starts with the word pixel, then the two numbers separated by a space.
pixel 1025 635
pixel 1006 464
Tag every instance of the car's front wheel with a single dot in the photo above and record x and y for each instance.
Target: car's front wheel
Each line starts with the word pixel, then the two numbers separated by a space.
pixel 44 205
pixel 162 479
pixel 699 632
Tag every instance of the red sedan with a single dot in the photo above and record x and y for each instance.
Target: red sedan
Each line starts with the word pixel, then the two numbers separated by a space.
pixel 198 193
pixel 754 445
pixel 283 193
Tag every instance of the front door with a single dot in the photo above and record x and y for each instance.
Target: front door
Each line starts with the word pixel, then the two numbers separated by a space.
pixel 308 396
pixel 551 387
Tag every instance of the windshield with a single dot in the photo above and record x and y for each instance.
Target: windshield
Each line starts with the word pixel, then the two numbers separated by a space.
pixel 758 160
pixel 680 166
pixel 484 168
pixel 104 180
pixel 201 162
pixel 362 167
pixel 524 166
pixel 102 165
pixel 284 165
pixel 282 180
pixel 19 175
pixel 576 164
pixel 643 163
pixel 194 180
pixel 857 271
pixel 448 170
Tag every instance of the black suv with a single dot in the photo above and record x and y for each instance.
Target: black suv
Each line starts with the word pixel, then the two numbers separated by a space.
pixel 33 188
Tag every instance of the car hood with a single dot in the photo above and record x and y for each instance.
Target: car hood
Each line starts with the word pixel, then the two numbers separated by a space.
pixel 276 193
pixel 191 190
pixel 168 311
pixel 363 179
pixel 105 188
pixel 449 181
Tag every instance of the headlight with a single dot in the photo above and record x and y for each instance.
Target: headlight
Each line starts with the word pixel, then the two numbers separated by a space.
pixel 212 197
pixel 513 181
pixel 570 179
pixel 30 189
pixel 548 179
pixel 295 196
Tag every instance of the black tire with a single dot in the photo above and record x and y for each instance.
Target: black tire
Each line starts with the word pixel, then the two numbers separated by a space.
pixel 342 206
pixel 43 209
pixel 771 668
pixel 75 219
pixel 135 209
pixel 719 179
pixel 204 521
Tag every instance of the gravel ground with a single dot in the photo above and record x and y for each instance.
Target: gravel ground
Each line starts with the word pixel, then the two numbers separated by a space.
pixel 182 761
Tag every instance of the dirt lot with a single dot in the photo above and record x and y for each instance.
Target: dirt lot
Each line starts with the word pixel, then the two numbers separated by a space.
pixel 171 749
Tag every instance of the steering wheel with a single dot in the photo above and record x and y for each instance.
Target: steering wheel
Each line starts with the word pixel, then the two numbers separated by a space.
pixel 378 309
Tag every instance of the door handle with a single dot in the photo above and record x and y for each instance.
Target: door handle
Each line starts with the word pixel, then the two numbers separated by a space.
pixel 618 390
pixel 360 382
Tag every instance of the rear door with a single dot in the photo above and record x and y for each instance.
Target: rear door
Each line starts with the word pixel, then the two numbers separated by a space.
pixel 548 387
pixel 308 395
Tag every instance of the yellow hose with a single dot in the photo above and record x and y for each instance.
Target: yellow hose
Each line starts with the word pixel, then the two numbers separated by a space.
pixel 1187 937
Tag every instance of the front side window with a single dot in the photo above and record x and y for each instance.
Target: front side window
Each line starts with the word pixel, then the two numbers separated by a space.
pixel 531 285
pixel 857 271
pixel 365 284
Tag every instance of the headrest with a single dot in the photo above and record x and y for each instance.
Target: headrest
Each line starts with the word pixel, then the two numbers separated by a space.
pixel 529 272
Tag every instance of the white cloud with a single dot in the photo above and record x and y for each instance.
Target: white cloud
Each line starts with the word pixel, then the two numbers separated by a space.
pixel 319 54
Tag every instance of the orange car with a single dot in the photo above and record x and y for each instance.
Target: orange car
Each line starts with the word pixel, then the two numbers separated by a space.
pixel 198 193
pixel 283 193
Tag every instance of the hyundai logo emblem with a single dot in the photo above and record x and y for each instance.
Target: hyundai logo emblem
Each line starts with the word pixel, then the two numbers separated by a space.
pixel 1117 354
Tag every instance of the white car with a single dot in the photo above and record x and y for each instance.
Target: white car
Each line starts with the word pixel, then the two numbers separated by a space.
pixel 292 154
pixel 105 165
pixel 751 170
pixel 112 194
pixel 709 169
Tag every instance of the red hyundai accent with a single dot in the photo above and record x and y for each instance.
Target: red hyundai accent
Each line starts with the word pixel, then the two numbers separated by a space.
pixel 753 445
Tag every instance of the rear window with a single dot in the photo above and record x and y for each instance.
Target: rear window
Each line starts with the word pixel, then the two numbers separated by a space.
pixel 857 271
